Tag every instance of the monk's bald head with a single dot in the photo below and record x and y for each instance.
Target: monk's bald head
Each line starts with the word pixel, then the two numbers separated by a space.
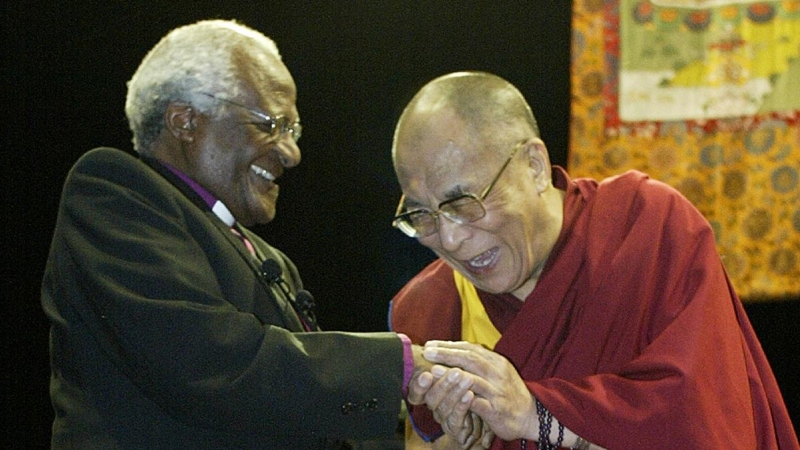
pixel 474 107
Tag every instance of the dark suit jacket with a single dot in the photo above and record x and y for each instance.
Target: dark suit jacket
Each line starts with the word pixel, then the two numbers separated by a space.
pixel 164 335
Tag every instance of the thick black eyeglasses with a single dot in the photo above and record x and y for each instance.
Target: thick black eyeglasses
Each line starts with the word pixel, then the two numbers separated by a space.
pixel 271 126
pixel 466 208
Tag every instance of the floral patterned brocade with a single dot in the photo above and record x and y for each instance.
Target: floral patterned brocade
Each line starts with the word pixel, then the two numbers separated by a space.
pixel 703 95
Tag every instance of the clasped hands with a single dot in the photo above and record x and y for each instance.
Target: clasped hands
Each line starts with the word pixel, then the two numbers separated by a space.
pixel 474 393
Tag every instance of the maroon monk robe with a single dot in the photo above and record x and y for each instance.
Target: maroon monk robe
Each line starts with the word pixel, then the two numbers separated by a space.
pixel 633 336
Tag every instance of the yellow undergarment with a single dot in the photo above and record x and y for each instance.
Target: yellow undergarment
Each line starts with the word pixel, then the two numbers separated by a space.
pixel 476 327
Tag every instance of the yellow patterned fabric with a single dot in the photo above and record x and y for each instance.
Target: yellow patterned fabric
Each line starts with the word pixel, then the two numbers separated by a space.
pixel 476 327
pixel 705 96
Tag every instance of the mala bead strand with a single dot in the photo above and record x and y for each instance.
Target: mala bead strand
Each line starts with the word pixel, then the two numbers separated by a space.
pixel 545 421
pixel 560 439
pixel 545 425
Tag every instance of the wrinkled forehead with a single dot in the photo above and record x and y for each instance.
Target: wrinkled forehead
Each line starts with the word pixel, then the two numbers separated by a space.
pixel 426 137
pixel 429 175
pixel 434 154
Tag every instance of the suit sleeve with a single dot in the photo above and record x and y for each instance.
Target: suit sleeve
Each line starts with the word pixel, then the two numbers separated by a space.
pixel 410 313
pixel 170 305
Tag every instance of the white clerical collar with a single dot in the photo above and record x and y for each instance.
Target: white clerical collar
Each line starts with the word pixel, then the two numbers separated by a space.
pixel 217 207
pixel 223 213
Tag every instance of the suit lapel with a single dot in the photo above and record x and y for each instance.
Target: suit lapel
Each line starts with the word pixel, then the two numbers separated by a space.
pixel 263 251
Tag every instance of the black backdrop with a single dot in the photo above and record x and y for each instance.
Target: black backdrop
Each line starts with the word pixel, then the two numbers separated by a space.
pixel 356 64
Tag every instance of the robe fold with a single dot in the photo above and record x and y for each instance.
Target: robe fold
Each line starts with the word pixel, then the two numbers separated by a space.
pixel 633 336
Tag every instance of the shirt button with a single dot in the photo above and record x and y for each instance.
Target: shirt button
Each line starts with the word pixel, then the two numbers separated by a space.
pixel 371 405
pixel 349 407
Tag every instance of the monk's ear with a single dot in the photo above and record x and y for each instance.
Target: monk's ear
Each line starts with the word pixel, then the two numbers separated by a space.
pixel 539 162
pixel 180 121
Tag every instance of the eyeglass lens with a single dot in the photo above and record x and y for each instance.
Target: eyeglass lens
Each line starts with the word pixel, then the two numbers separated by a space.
pixel 461 210
pixel 272 126
pixel 276 127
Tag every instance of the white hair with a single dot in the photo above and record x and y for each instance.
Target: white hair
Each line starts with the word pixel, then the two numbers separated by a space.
pixel 187 62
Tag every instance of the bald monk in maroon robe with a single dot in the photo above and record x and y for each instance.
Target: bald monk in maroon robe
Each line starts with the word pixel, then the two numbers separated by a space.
pixel 600 314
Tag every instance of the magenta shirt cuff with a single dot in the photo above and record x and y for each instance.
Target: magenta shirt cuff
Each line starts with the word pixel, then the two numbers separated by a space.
pixel 408 362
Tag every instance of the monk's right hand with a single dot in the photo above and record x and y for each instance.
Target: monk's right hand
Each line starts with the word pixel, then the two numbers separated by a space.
pixel 501 397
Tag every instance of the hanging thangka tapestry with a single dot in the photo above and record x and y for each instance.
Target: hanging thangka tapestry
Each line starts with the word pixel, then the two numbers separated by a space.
pixel 705 96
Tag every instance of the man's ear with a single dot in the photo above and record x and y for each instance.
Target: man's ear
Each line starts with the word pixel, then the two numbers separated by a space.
pixel 539 161
pixel 180 121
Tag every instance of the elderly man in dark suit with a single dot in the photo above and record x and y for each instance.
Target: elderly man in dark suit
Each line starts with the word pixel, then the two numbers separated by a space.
pixel 173 325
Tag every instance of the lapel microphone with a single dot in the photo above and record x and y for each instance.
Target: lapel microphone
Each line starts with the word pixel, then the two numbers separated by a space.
pixel 303 303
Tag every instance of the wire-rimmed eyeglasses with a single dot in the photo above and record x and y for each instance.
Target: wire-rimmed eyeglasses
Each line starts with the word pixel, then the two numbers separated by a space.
pixel 271 126
pixel 466 208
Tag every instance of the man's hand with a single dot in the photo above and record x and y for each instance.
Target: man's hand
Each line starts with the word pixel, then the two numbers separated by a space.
pixel 448 442
pixel 450 399
pixel 446 393
pixel 421 379
pixel 480 437
pixel 500 397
